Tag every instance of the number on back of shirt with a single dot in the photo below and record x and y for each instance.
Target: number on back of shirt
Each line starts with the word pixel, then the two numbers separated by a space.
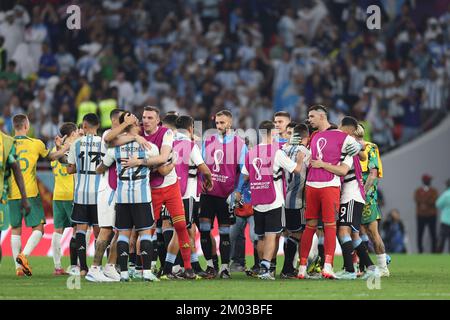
pixel 134 176
pixel 93 157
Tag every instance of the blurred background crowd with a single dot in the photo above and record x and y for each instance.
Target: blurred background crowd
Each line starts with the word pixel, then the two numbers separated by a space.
pixel 252 57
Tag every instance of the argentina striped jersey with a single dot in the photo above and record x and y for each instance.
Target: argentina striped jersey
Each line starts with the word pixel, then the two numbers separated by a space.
pixel 86 154
pixel 133 184
pixel 295 198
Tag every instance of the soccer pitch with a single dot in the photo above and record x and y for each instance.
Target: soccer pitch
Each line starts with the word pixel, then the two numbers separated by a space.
pixel 412 277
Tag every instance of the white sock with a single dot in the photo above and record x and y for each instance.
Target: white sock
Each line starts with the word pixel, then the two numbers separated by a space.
pixel 381 260
pixel 328 267
pixel 32 242
pixel 16 246
pixel 124 274
pixel 56 248
pixel 88 237
pixel 224 267
pixel 176 268
pixel 302 269
pixel 153 266
pixel 210 263
pixel 147 273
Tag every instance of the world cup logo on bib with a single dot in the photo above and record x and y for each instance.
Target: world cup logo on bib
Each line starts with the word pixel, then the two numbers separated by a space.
pixel 257 164
pixel 321 143
pixel 218 158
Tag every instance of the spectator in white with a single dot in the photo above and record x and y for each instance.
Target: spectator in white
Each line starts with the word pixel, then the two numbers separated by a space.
pixel 65 59
pixel 35 35
pixel 228 77
pixel 247 50
pixel 251 76
pixel 357 75
pixel 12 29
pixel 50 129
pixel 191 25
pixel 287 27
pixel 386 78
pixel 433 29
pixel 434 91
pixel 113 13
pixel 140 16
pixel 126 91
pixel 434 87
pixel 282 70
pixel 310 17
pixel 25 61
pixel 382 126
pixel 88 65
pixel 41 107
pixel 215 34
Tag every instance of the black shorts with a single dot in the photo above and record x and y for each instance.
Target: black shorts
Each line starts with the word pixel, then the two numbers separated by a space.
pixel 191 211
pixel 211 206
pixel 294 220
pixel 137 215
pixel 350 214
pixel 84 214
pixel 268 222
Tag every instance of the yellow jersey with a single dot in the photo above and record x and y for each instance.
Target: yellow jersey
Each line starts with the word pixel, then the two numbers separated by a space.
pixel 28 151
pixel 373 159
pixel 64 182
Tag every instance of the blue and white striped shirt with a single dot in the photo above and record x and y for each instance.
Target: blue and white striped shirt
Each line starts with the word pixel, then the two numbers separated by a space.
pixel 133 184
pixel 296 182
pixel 86 154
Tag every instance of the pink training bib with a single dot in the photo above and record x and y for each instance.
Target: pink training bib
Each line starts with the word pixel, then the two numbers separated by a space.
pixel 259 163
pixel 223 161
pixel 327 146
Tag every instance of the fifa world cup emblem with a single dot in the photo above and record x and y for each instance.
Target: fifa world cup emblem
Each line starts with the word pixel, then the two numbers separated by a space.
pixel 218 158
pixel 257 164
pixel 321 143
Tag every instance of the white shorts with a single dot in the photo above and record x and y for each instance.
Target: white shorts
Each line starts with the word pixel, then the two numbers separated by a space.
pixel 106 203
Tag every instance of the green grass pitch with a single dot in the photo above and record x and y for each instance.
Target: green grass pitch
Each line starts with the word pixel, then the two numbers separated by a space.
pixel 412 277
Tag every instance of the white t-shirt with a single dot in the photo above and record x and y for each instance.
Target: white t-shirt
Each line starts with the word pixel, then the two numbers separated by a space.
pixel 350 189
pixel 281 161
pixel 195 159
pixel 104 178
pixel 172 177
pixel 336 181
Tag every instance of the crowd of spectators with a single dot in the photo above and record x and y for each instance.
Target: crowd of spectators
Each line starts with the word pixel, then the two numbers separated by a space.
pixel 252 57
